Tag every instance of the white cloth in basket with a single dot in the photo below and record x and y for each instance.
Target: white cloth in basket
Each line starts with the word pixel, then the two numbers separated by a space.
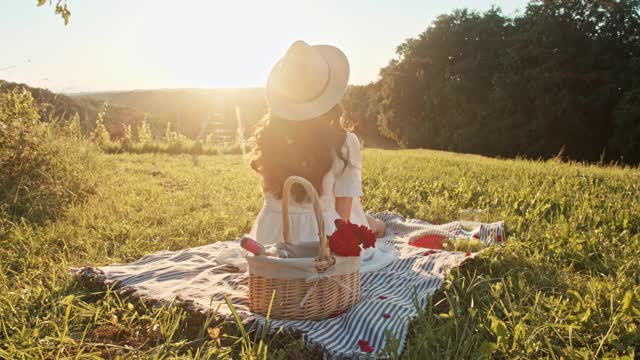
pixel 340 181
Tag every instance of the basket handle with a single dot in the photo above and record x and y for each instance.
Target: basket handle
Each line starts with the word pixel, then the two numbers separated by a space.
pixel 324 253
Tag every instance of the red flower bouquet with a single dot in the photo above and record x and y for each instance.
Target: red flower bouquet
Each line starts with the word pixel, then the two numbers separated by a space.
pixel 348 237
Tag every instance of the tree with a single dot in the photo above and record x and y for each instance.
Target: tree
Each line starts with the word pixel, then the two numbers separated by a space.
pixel 563 75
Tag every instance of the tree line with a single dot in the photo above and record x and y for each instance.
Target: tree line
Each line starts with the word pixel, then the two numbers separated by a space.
pixel 562 77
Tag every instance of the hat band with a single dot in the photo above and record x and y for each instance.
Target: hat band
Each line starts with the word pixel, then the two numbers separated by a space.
pixel 315 96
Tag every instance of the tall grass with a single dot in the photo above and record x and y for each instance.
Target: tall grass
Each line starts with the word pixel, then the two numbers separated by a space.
pixel 186 146
pixel 565 284
pixel 142 141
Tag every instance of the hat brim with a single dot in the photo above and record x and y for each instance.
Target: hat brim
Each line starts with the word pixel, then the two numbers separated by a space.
pixel 338 80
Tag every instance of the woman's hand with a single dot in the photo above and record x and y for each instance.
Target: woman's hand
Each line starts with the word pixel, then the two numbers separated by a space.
pixel 377 226
pixel 343 207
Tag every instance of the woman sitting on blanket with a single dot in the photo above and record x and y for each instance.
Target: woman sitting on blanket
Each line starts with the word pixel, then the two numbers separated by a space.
pixel 303 135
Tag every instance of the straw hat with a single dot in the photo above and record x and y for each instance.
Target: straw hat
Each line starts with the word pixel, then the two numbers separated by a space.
pixel 308 81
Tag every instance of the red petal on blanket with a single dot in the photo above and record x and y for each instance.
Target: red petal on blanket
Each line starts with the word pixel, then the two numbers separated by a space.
pixel 429 241
pixel 338 313
pixel 499 238
pixel 479 231
pixel 364 346
pixel 386 316
pixel 467 254
pixel 382 297
pixel 430 252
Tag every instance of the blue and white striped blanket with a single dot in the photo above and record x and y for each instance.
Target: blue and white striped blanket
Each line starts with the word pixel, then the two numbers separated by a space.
pixel 388 295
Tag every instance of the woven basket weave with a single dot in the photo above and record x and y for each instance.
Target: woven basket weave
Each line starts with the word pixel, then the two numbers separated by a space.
pixel 305 288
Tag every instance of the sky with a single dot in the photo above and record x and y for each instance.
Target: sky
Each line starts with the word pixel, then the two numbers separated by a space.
pixel 148 44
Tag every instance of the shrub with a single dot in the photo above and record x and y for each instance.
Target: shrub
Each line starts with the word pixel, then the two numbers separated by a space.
pixel 73 129
pixel 41 171
pixel 197 148
pixel 127 139
pixel 144 132
pixel 233 149
pixel 100 135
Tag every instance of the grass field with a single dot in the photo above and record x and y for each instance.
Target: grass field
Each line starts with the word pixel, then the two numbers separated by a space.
pixel 566 283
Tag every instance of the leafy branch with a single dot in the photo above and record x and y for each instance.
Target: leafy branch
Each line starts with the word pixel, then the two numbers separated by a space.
pixel 61 9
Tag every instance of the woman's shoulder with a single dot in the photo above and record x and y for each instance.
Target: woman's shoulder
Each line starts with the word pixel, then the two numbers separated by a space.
pixel 352 138
pixel 351 149
pixel 351 143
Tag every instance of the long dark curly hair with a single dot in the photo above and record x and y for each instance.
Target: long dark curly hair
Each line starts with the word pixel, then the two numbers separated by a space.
pixel 304 148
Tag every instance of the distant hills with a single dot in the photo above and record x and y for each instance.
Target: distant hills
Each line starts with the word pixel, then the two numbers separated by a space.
pixel 195 113
pixel 192 112
pixel 60 107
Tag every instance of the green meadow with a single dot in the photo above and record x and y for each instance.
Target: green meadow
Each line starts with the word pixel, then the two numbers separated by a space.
pixel 565 284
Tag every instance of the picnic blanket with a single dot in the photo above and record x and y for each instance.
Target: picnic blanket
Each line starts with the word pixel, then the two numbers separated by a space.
pixel 388 296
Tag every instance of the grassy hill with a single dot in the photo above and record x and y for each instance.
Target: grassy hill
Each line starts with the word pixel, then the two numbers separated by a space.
pixel 192 112
pixel 61 108
pixel 565 284
pixel 198 114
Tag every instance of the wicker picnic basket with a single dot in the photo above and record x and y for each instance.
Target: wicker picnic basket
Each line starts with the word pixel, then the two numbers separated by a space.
pixel 305 288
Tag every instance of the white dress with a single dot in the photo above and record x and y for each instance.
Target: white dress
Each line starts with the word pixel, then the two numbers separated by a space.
pixel 267 228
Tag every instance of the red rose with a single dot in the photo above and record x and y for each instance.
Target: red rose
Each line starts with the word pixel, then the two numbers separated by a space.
pixel 348 237
pixel 364 346
pixel 343 242
pixel 366 236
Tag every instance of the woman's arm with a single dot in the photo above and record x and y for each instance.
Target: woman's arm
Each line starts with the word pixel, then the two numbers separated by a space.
pixel 377 226
pixel 343 207
pixel 349 181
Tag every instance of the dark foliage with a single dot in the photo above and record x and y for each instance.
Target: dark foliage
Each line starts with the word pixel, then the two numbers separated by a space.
pixel 563 76
pixel 41 170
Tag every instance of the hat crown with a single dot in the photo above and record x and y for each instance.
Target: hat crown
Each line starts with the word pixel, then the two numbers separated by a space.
pixel 307 81
pixel 302 74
